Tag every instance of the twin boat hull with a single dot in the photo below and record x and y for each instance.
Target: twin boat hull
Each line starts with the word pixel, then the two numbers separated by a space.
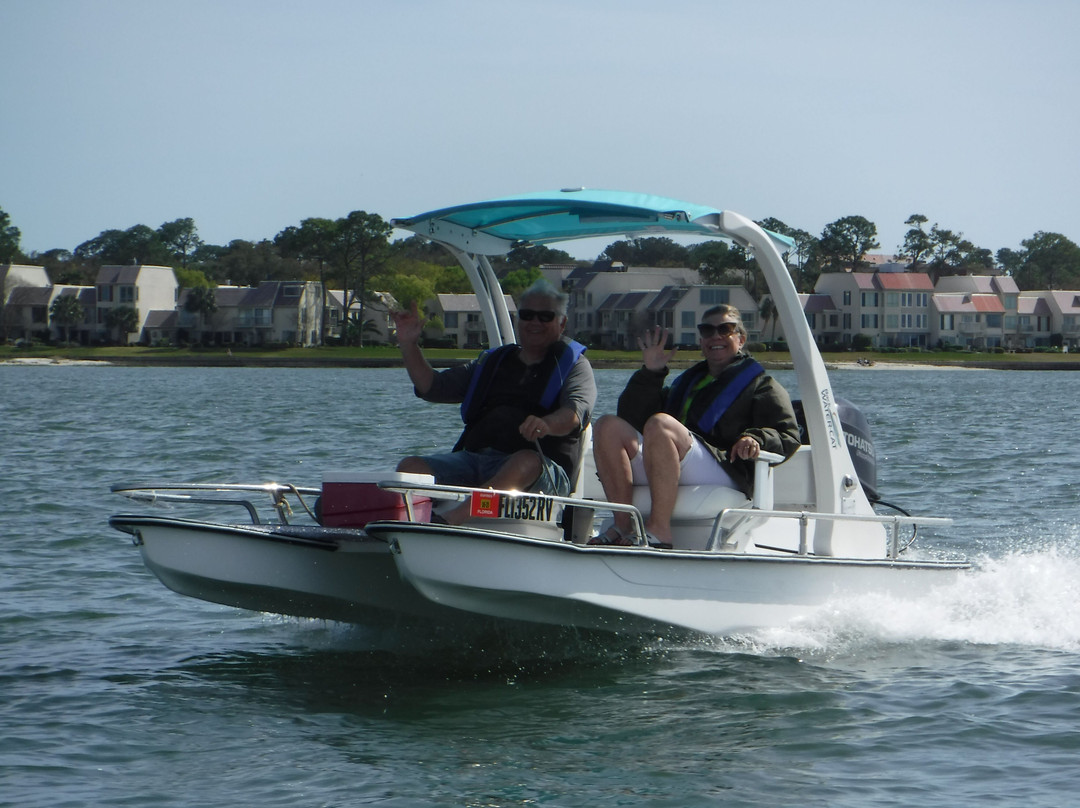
pixel 405 572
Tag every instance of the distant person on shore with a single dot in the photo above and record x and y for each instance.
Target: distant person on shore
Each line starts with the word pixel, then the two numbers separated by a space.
pixel 524 405
pixel 707 428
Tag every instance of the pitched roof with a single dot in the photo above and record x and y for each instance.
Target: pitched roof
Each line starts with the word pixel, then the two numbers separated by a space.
pixel 904 280
pixel 1033 305
pixel 667 297
pixel 947 302
pixel 609 302
pixel 631 300
pixel 161 318
pixel 30 296
pixel 1004 284
pixel 1067 301
pixel 988 303
pixel 467 302
pixel 817 303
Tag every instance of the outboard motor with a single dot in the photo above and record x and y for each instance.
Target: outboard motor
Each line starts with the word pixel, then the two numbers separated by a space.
pixel 860 445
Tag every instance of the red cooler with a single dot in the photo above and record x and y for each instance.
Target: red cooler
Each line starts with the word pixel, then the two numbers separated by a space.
pixel 352 499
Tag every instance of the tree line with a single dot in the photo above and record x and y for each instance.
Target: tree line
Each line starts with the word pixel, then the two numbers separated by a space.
pixel 355 253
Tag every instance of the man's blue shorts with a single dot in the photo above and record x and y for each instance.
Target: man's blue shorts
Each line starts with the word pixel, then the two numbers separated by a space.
pixel 471 469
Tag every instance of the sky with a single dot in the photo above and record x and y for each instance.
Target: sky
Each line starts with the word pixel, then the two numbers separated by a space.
pixel 250 116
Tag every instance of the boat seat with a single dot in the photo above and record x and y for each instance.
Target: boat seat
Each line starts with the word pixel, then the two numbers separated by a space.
pixel 697 506
pixel 694 502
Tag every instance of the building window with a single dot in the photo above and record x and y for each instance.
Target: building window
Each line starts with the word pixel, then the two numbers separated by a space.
pixel 291 290
pixel 688 319
pixel 105 294
pixel 948 322
pixel 450 319
pixel 892 322
pixel 869 299
pixel 711 296
pixel 847 298
pixel 891 299
pixel 847 322
pixel 127 294
pixel 869 321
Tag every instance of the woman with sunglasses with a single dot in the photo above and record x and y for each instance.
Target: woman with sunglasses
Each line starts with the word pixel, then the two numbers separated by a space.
pixel 705 429
pixel 539 392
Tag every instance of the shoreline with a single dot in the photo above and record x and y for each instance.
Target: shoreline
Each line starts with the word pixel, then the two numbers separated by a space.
pixel 598 364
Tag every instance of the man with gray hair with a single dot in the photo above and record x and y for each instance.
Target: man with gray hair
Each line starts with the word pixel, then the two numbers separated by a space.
pixel 524 405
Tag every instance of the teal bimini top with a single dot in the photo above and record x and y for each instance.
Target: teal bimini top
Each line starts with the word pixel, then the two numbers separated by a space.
pixel 498 225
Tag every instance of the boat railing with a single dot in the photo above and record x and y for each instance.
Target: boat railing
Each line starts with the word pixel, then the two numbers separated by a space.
pixel 723 530
pixel 461 493
pixel 725 524
pixel 222 494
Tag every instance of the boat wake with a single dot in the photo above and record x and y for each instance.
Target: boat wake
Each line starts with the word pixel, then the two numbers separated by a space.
pixel 1026 598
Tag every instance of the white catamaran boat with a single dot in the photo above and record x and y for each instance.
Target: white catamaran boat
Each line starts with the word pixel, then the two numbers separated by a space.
pixel 368 553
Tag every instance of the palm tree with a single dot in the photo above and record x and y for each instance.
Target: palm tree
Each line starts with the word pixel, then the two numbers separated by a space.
pixel 201 300
pixel 769 314
pixel 66 311
pixel 125 319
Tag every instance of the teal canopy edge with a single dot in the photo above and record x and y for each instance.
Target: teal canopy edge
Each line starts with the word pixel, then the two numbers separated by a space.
pixel 551 216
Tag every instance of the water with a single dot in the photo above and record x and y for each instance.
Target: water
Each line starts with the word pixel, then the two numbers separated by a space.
pixel 115 691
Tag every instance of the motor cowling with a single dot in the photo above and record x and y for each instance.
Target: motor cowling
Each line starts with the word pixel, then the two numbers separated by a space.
pixel 860 444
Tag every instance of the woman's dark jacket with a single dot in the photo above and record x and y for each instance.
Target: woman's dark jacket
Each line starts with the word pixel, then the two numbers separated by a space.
pixel 762 410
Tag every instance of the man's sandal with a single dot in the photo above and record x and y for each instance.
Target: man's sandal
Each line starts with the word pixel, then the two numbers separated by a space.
pixel 612 537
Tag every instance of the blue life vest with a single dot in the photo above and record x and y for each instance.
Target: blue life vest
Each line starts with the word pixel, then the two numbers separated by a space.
pixel 738 378
pixel 488 364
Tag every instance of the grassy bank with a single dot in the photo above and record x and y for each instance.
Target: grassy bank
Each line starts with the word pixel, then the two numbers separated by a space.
pixel 386 356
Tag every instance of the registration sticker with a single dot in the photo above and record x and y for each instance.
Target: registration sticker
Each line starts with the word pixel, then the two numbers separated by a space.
pixel 484 503
pixel 523 508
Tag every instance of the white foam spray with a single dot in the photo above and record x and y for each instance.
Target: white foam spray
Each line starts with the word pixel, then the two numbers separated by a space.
pixel 1027 598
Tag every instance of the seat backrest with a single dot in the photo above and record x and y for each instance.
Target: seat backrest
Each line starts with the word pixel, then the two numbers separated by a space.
pixel 793 481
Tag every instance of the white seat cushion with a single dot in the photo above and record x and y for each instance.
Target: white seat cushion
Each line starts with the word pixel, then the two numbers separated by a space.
pixel 694 502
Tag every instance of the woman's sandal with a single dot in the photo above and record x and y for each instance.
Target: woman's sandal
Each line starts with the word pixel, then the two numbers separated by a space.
pixel 656 544
pixel 612 537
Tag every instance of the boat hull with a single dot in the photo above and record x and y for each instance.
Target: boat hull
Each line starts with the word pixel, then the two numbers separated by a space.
pixel 395 573
pixel 639 589
pixel 342 575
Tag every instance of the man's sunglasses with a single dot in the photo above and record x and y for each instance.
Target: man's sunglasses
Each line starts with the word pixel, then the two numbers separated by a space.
pixel 533 314
pixel 724 329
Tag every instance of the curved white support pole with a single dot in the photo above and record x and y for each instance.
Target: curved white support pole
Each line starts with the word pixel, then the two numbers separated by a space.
pixel 836 483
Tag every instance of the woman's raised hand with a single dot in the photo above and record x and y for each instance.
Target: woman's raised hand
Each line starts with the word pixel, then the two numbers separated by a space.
pixel 653 353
